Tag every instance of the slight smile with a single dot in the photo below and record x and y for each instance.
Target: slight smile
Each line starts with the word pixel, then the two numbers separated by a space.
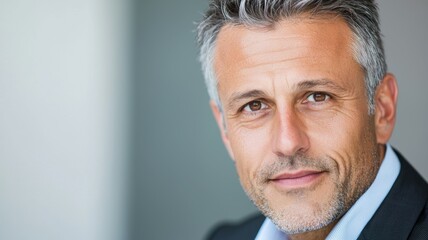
pixel 293 180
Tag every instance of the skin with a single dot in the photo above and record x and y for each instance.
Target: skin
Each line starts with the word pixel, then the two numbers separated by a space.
pixel 293 100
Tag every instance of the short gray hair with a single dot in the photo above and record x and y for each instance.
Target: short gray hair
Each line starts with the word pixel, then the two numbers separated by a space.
pixel 361 16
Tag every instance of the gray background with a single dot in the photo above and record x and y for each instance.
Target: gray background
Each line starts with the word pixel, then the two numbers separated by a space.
pixel 105 128
pixel 185 179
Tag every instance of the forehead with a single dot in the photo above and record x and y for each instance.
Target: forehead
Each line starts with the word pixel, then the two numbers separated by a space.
pixel 285 46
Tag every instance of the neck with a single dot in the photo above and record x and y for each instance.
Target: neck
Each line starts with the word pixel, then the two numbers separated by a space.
pixel 382 152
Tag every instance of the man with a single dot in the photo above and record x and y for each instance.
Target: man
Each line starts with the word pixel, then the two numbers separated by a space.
pixel 305 107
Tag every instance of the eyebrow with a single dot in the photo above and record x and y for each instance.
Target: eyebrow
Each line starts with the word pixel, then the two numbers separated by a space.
pixel 307 84
pixel 236 97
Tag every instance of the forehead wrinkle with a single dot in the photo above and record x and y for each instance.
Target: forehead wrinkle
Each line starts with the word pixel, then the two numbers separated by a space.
pixel 274 58
pixel 267 50
pixel 259 45
pixel 256 67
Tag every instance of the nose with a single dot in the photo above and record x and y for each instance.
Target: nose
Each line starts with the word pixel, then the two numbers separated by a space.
pixel 289 134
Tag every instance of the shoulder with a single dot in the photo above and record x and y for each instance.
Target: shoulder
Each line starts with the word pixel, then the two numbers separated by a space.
pixel 403 213
pixel 420 230
pixel 246 229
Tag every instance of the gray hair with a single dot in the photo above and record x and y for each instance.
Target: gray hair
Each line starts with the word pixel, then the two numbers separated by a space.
pixel 361 16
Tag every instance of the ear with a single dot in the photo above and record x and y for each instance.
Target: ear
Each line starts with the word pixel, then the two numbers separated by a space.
pixel 218 115
pixel 386 108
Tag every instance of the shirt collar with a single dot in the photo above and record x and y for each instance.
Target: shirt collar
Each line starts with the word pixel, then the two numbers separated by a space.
pixel 353 222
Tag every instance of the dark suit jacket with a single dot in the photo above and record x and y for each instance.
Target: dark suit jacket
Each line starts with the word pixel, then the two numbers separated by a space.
pixel 402 215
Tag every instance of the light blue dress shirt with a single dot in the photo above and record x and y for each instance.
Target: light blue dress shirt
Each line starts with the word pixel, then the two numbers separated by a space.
pixel 353 222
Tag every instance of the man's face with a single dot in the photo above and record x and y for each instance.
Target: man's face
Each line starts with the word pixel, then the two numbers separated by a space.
pixel 296 119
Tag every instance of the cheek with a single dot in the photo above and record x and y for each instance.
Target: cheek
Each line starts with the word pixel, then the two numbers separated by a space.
pixel 343 137
pixel 251 147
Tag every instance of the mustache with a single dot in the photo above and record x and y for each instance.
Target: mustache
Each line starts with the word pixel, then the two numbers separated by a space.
pixel 293 163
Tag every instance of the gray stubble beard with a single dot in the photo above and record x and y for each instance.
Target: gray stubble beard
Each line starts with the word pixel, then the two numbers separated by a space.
pixel 292 222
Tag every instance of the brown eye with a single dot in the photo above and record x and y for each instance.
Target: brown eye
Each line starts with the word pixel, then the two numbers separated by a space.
pixel 318 97
pixel 254 106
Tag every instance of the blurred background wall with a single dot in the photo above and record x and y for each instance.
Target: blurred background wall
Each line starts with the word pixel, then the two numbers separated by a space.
pixel 64 113
pixel 105 128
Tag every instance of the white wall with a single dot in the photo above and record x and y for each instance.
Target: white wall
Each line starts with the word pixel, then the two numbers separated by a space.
pixel 63 117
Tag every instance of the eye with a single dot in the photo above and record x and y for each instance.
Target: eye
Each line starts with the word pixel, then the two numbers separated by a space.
pixel 318 97
pixel 254 106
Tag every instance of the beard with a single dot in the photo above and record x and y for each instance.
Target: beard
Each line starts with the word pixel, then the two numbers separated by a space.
pixel 298 218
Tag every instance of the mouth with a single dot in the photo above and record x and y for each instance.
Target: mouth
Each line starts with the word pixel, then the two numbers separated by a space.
pixel 300 179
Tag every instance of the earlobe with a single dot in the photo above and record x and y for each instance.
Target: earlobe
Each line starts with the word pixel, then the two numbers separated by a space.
pixel 218 115
pixel 386 107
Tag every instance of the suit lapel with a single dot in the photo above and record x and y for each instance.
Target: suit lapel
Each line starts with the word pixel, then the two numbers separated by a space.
pixel 399 211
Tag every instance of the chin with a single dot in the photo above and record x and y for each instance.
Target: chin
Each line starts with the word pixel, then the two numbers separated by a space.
pixel 296 221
